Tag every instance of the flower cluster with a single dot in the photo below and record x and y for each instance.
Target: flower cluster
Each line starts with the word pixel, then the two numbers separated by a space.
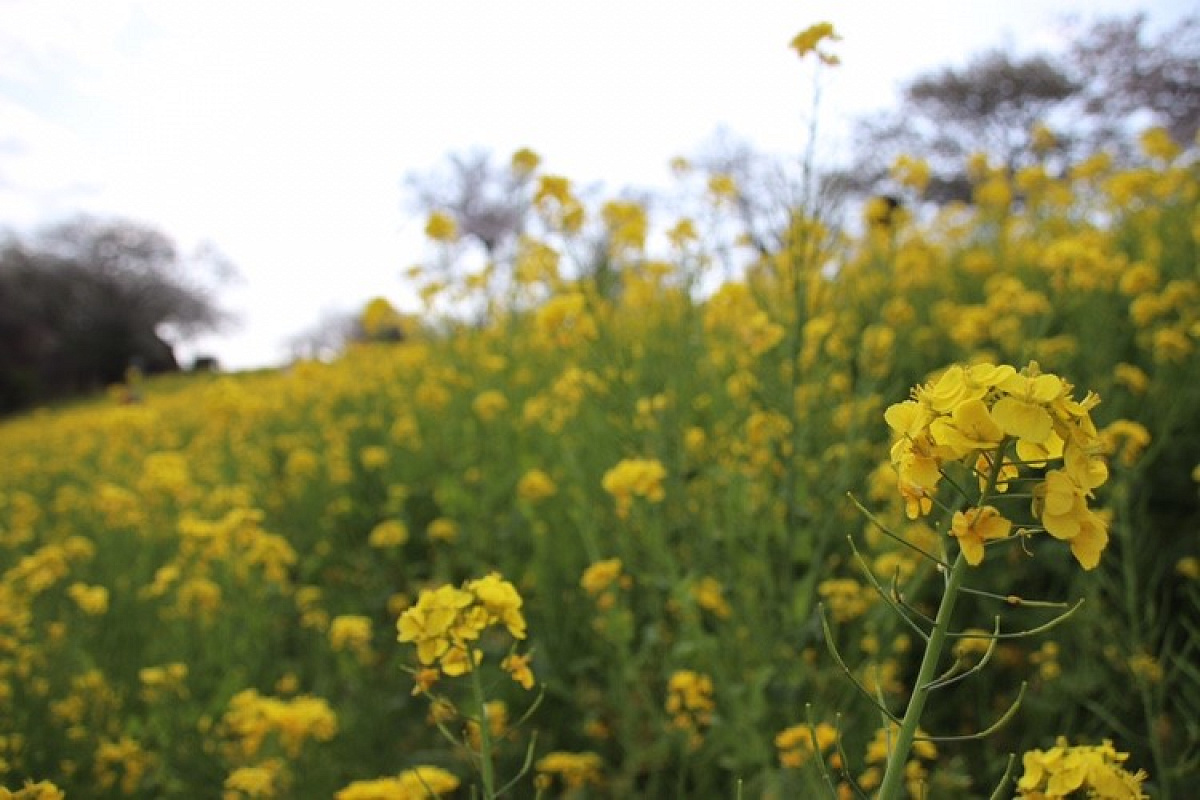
pixel 252 717
pixel 973 415
pixel 796 744
pixel 419 782
pixel 1059 772
pixel 635 477
pixel 445 622
pixel 690 702
pixel 575 769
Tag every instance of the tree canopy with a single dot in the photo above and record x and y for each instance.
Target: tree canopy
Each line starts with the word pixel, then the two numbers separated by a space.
pixel 1111 80
pixel 84 300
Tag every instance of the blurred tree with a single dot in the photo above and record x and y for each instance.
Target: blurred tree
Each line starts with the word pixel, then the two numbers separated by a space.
pixel 487 202
pixel 1110 81
pixel 83 301
pixel 327 338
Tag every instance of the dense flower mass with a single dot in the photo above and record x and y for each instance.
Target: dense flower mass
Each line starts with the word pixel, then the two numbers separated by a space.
pixel 649 417
pixel 997 420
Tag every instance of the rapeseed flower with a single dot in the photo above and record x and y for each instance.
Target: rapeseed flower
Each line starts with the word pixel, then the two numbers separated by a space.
pixel 42 790
pixel 418 783
pixel 535 486
pixel 796 744
pixel 809 40
pixel 635 477
pixel 441 227
pixel 575 769
pixel 970 415
pixel 388 533
pixel 975 526
pixel 1063 770
pixel 445 622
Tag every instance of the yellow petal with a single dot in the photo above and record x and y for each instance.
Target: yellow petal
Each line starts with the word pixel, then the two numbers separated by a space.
pixel 1024 420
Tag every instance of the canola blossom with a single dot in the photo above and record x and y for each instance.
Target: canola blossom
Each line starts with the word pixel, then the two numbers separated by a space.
pixel 998 420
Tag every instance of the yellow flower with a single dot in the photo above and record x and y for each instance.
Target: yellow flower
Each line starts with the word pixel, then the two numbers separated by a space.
pixel 535 486
pixel 710 595
pixel 969 427
pixel 795 744
pixel 1157 143
pixel 418 783
pixel 92 600
pixel 441 227
pixel 599 576
pixel 975 526
pixel 690 701
pixel 722 185
pixel 489 405
pixel 847 598
pixel 1188 567
pixel 635 477
pixel 518 667
pixel 911 172
pixel 258 781
pixel 1063 770
pixel 525 161
pixel 350 632
pixel 564 320
pixel 807 41
pixel 442 530
pixel 1022 412
pixel 42 790
pixel 389 533
pixel 502 602
pixel 575 769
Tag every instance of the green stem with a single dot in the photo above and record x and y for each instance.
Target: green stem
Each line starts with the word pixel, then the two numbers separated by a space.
pixel 485 737
pixel 893 778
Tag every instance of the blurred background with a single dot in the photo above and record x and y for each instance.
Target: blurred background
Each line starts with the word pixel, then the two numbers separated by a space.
pixel 278 151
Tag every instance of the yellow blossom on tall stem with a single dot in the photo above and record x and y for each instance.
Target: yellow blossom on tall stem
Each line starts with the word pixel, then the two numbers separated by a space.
pixel 809 39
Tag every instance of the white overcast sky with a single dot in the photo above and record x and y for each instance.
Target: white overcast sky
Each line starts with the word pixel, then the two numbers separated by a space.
pixel 281 132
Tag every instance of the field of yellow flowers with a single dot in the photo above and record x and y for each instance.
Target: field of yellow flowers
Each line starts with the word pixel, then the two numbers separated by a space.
pixel 594 544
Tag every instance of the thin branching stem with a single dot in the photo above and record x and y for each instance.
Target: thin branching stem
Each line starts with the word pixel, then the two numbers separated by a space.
pixel 989 730
pixel 837 657
pixel 950 677
pixel 884 528
pixel 812 732
pixel 1014 600
pixel 1005 779
pixel 883 593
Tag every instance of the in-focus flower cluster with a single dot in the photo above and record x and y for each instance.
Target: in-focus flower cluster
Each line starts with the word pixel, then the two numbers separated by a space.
pixel 1063 770
pixel 445 623
pixel 996 421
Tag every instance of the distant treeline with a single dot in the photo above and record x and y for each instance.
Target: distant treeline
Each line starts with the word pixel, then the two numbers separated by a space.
pixel 82 302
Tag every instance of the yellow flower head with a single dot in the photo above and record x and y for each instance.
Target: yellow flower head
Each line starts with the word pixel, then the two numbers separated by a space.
pixel 441 227
pixel 809 39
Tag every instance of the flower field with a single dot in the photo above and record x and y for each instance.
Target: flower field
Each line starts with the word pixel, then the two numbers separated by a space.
pixel 593 543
